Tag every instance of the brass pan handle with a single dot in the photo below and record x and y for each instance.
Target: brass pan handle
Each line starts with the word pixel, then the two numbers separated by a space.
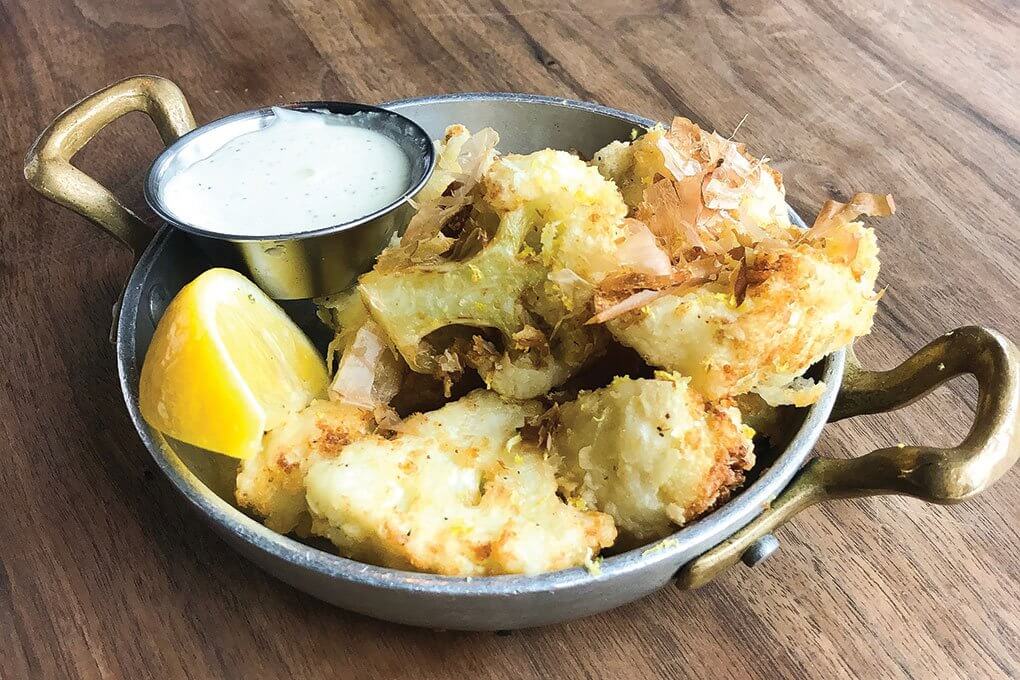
pixel 932 474
pixel 48 164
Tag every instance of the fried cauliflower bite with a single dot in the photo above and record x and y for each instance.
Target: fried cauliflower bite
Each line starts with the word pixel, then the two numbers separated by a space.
pixel 650 452
pixel 727 177
pixel 271 483
pixel 524 217
pixel 800 304
pixel 455 492
pixel 486 291
pixel 751 301
pixel 578 211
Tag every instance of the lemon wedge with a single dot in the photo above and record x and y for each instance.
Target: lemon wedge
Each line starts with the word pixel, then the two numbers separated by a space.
pixel 226 364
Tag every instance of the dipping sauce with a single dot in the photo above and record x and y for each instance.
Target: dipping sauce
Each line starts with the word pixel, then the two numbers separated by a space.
pixel 305 170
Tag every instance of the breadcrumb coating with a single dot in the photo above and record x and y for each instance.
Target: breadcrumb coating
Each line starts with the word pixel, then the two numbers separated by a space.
pixel 752 301
pixel 272 483
pixel 650 452
pixel 532 215
pixel 799 305
pixel 456 491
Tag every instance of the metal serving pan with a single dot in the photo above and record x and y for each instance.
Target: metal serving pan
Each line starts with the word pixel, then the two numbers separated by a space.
pixel 786 480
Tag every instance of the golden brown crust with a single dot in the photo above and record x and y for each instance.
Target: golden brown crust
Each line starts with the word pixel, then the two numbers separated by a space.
pixel 652 453
pixel 457 492
pixel 271 483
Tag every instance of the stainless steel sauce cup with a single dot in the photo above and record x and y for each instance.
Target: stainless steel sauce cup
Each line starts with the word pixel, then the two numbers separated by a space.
pixel 300 264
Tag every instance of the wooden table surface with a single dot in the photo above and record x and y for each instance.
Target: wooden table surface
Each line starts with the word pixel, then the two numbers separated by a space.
pixel 103 573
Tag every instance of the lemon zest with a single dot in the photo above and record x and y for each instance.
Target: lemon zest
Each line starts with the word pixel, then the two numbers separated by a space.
pixel 660 546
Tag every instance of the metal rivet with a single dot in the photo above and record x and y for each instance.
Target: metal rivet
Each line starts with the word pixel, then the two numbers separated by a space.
pixel 157 302
pixel 760 550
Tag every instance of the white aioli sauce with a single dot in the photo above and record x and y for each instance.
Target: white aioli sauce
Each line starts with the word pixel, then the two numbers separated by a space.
pixel 304 171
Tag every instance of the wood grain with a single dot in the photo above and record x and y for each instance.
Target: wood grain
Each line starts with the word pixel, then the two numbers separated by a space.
pixel 104 575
